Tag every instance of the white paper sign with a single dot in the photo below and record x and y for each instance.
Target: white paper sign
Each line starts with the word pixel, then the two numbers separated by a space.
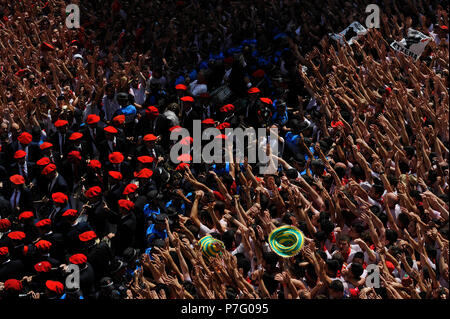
pixel 413 45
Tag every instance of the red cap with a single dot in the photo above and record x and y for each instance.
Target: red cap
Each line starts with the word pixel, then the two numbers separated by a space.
pixel 110 129
pixel 55 286
pixel 75 136
pixel 74 155
pixel 43 222
pixel 78 259
pixel 87 236
pixel 181 87
pixel 116 157
pixel 149 138
pixel 92 192
pixel 48 169
pixel 4 224
pixel 70 213
pixel 145 159
pixel 115 175
pixel 13 284
pixel 17 179
pixel 208 122
pixel 266 100
pixel 144 173
pixel 16 235
pixel 43 161
pixel 187 140
pixel 61 123
pixel 59 197
pixel 390 266
pixel 45 145
pixel 44 245
pixel 26 215
pixel 43 266
pixel 25 138
pixel 125 203
pixel 95 164
pixel 187 98
pixel 184 158
pixel 130 188
pixel 181 166
pixel 119 119
pixel 253 90
pixel 92 119
pixel 4 251
pixel 151 110
pixel 20 154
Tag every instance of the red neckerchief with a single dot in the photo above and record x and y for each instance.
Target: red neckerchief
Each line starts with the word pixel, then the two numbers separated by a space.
pixel 344 180
pixel 331 237
pixel 347 254
pixel 364 265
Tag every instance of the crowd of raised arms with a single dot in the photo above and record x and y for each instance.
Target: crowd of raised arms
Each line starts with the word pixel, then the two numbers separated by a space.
pixel 86 176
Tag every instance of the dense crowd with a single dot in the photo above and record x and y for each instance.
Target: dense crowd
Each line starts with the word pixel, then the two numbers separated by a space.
pixel 86 176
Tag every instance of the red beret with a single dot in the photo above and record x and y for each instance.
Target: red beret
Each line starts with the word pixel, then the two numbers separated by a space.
pixel 258 73
pixel 266 100
pixel 59 197
pixel 390 266
pixel 119 119
pixel 149 138
pixel 145 159
pixel 187 140
pixel 181 166
pixel 110 129
pixel 25 138
pixel 181 87
pixel 4 251
pixel 43 245
pixel 20 154
pixel 17 179
pixel 13 284
pixel 45 46
pixel 115 175
pixel 54 286
pixel 26 215
pixel 61 123
pixel 93 192
pixel 151 110
pixel 45 145
pixel 221 137
pixel 43 222
pixel 253 90
pixel 444 27
pixel 144 173
pixel 208 121
pixel 16 235
pixel 125 203
pixel 184 158
pixel 337 123
pixel 43 161
pixel 187 98
pixel 74 155
pixel 70 213
pixel 227 108
pixel 130 188
pixel 116 157
pixel 87 236
pixel 223 125
pixel 48 169
pixel 75 136
pixel 78 259
pixel 175 128
pixel 95 164
pixel 92 119
pixel 4 224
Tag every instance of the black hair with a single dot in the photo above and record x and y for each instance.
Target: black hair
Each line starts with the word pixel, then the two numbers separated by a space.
pixel 336 285
pixel 391 236
pixel 228 239
pixel 357 270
